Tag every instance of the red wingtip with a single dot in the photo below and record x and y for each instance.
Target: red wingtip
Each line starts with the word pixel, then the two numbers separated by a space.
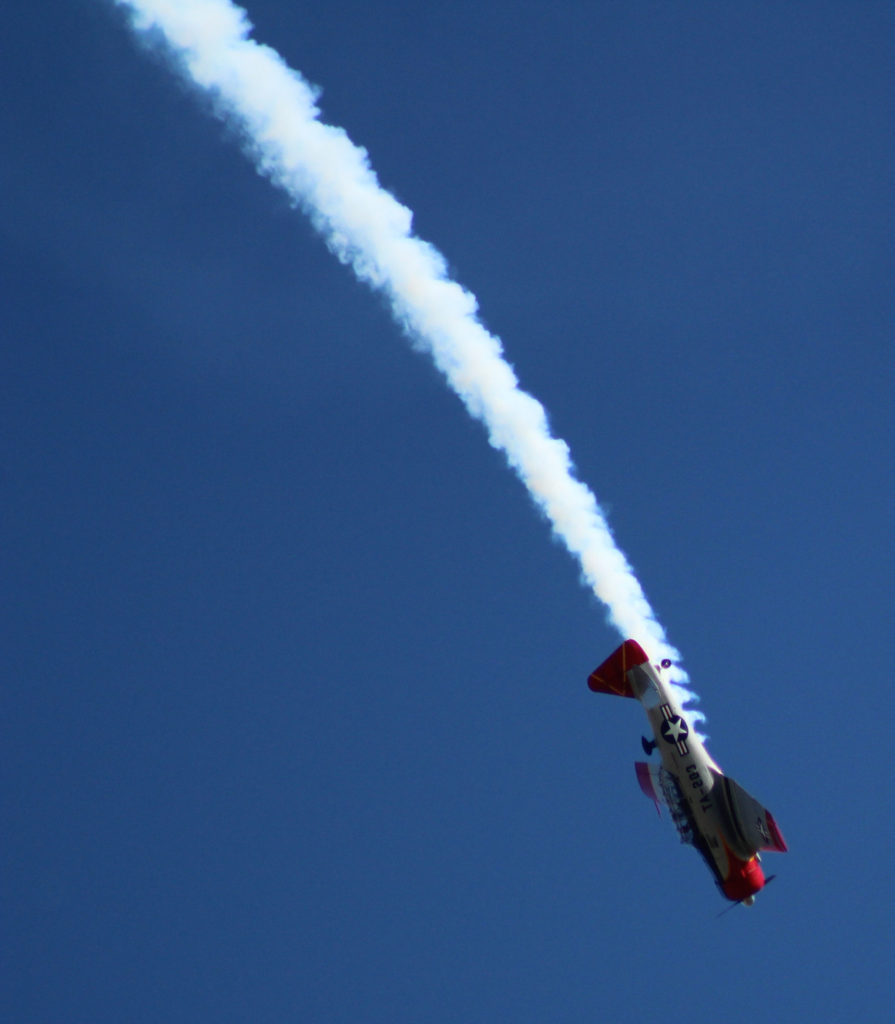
pixel 779 843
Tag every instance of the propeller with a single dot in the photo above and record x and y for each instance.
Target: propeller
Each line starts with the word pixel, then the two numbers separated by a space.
pixel 738 903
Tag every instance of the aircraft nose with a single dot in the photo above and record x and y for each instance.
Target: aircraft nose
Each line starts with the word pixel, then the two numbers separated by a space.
pixel 744 881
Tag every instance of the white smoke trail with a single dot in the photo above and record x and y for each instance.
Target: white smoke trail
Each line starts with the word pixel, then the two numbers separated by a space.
pixel 365 226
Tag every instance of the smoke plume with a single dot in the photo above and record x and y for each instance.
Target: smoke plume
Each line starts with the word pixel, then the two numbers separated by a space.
pixel 329 177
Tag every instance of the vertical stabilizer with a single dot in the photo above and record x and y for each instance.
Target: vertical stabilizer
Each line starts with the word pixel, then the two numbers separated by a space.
pixel 612 675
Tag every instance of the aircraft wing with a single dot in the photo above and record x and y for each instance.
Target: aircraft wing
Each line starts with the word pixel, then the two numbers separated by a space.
pixel 651 783
pixel 749 825
pixel 660 786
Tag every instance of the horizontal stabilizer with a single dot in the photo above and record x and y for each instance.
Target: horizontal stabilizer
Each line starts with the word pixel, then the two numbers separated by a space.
pixel 612 675
pixel 750 826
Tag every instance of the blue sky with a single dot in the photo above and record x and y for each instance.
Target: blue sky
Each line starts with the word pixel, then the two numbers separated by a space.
pixel 295 718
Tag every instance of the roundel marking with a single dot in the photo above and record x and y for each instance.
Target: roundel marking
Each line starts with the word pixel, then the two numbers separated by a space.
pixel 674 729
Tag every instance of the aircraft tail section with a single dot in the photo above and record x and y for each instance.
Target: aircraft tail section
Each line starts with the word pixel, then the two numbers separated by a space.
pixel 612 675
pixel 750 826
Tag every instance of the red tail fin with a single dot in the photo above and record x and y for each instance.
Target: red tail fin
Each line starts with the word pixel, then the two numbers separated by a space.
pixel 612 675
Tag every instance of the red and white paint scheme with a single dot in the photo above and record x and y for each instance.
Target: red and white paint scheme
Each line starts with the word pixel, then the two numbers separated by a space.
pixel 711 811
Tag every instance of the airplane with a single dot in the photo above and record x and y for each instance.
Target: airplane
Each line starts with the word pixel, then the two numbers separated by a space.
pixel 711 811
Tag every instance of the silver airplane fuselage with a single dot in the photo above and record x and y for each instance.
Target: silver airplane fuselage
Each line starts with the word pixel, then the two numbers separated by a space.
pixel 711 811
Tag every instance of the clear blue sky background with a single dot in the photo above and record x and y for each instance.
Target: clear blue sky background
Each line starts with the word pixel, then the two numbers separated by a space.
pixel 295 724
